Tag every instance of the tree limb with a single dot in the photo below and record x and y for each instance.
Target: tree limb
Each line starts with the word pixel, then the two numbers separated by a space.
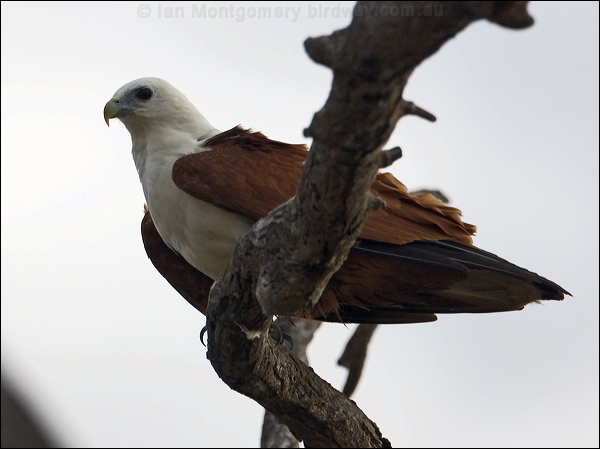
pixel 354 356
pixel 283 264
pixel 275 434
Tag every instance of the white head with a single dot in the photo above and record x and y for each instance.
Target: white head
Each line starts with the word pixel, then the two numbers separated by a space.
pixel 148 105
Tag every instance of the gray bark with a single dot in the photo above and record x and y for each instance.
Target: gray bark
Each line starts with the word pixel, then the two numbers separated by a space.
pixel 283 264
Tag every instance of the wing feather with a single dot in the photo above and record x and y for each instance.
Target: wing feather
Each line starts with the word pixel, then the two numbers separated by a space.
pixel 250 174
pixel 187 280
pixel 414 258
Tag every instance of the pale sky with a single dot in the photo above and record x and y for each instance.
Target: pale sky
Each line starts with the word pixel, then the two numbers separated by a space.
pixel 109 352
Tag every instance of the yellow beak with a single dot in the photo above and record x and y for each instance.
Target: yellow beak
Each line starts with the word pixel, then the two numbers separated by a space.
pixel 111 109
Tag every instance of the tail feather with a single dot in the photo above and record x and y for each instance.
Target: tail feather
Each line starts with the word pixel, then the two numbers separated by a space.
pixel 387 283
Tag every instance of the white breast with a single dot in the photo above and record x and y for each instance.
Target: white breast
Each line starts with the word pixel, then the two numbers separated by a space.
pixel 205 235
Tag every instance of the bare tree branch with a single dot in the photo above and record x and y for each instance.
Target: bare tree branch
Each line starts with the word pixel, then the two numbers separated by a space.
pixel 275 434
pixel 283 264
pixel 437 193
pixel 354 356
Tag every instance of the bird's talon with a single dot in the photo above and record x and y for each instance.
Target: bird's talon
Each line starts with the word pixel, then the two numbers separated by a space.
pixel 281 336
pixel 289 339
pixel 202 334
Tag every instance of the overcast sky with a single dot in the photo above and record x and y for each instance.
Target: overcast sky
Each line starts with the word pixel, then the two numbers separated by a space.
pixel 109 352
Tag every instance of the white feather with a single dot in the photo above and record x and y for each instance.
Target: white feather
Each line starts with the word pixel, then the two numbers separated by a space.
pixel 164 128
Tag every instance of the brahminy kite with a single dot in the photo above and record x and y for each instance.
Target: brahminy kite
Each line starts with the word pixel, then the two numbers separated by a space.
pixel 205 188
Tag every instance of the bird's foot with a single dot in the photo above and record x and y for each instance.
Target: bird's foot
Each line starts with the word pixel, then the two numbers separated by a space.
pixel 202 334
pixel 280 336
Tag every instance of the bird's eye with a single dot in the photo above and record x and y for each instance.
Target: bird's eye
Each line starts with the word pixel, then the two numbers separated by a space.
pixel 144 93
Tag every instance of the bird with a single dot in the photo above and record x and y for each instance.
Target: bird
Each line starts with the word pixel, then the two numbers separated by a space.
pixel 205 188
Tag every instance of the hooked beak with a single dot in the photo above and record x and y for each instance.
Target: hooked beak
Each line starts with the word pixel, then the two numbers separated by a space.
pixel 111 109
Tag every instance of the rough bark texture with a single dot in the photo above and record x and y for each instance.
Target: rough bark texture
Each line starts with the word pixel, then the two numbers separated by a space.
pixel 301 332
pixel 282 265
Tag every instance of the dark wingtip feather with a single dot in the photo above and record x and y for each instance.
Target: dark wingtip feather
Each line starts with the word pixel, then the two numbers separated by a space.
pixel 475 256
pixel 464 258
